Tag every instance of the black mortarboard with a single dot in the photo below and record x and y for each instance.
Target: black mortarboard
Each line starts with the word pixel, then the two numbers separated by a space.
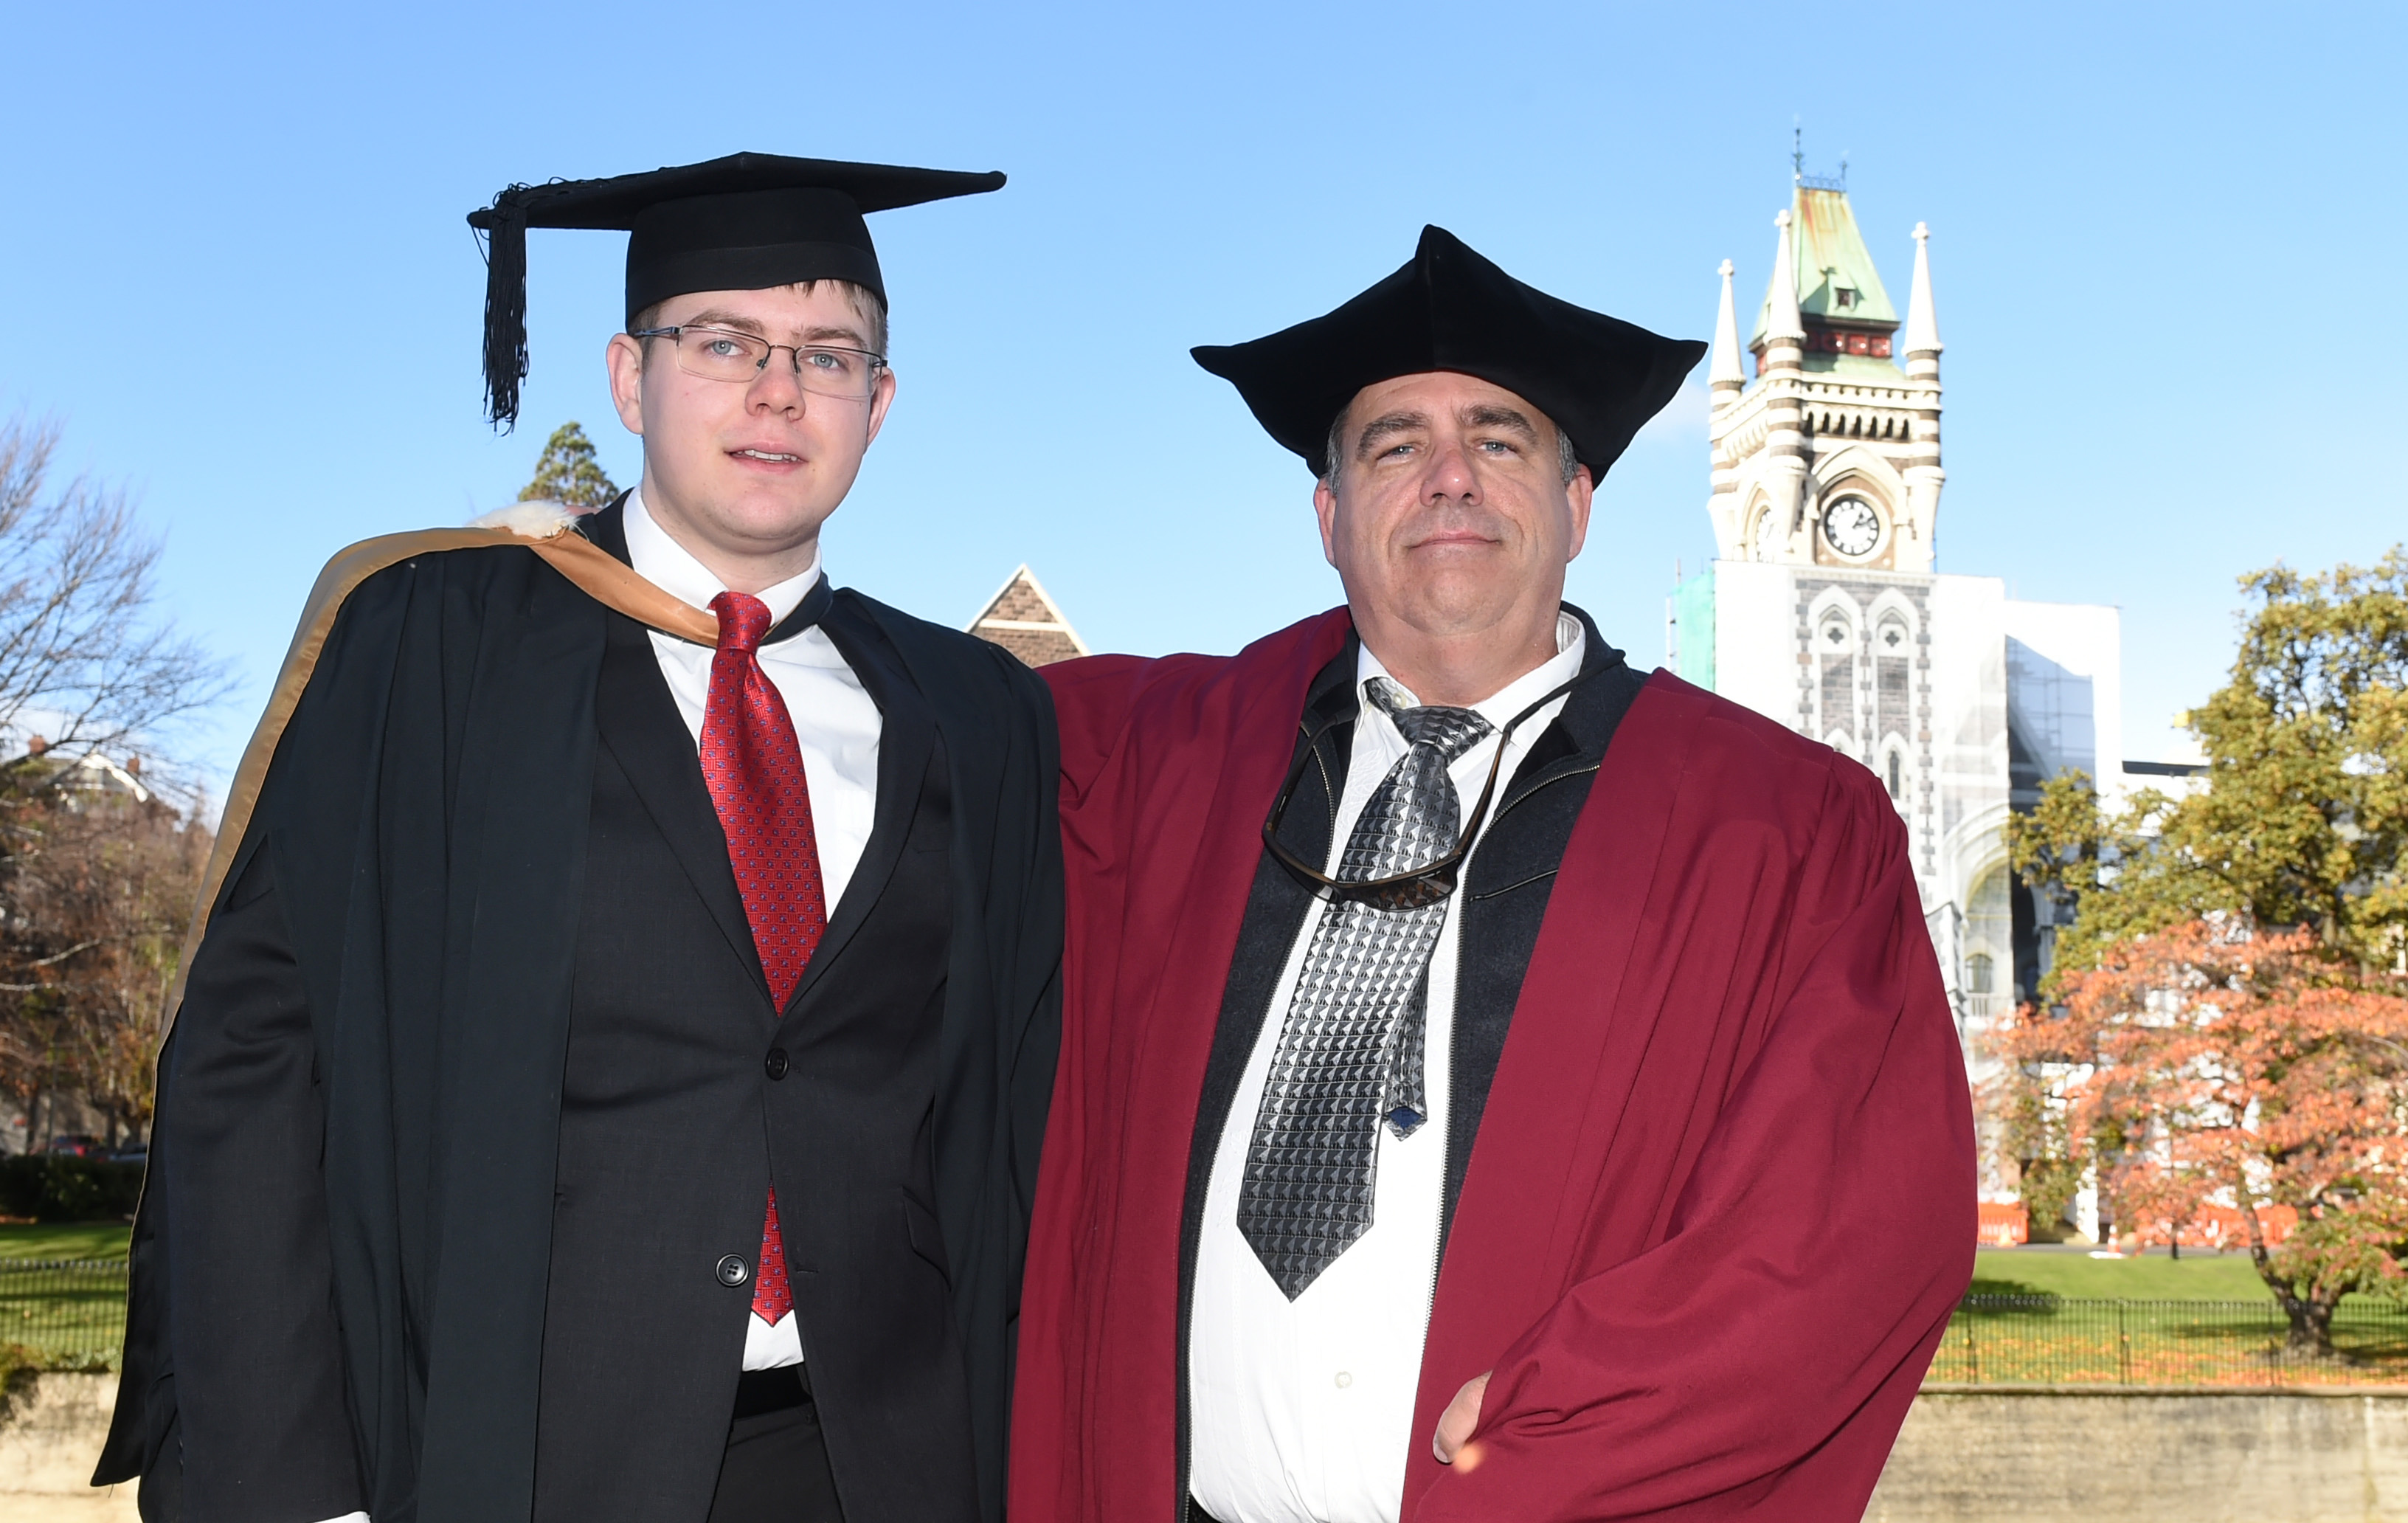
pixel 743 222
pixel 1597 377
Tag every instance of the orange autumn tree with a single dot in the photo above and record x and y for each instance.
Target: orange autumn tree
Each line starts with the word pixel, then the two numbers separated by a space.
pixel 2204 1062
pixel 2224 1022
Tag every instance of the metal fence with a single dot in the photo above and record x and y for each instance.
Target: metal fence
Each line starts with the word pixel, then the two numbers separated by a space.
pixel 2051 1340
pixel 70 1314
pixel 66 1313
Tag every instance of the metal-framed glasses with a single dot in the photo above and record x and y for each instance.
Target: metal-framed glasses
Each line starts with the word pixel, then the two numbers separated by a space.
pixel 1426 885
pixel 727 354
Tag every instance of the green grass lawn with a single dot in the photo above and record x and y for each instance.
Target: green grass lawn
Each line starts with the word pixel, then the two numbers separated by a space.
pixel 2010 1271
pixel 68 1239
pixel 57 1316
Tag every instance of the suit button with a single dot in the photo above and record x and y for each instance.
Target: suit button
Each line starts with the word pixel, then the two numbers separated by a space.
pixel 733 1270
pixel 775 1064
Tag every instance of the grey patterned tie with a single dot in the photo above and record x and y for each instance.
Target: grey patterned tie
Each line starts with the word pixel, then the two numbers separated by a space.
pixel 1350 1054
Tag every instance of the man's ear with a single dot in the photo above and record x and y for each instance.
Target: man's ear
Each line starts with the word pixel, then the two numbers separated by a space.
pixel 1579 494
pixel 881 400
pixel 1324 507
pixel 1325 500
pixel 624 359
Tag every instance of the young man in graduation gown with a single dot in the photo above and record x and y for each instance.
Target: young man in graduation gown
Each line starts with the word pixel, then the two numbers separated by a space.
pixel 1498 1083
pixel 609 1083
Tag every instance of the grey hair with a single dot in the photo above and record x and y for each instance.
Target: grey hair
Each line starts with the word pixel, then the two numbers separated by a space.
pixel 1334 451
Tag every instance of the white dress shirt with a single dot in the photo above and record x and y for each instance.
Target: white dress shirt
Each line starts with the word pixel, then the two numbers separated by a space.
pixel 1301 1411
pixel 837 727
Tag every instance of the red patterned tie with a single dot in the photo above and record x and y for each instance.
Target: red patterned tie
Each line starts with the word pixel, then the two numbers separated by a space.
pixel 754 771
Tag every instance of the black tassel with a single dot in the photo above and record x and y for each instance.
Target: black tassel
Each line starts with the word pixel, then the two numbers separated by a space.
pixel 506 339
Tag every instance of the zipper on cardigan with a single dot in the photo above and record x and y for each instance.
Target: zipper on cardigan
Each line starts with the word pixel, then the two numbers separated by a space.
pixel 1455 1052
pixel 1328 790
pixel 1446 1141
pixel 1221 1134
pixel 1527 793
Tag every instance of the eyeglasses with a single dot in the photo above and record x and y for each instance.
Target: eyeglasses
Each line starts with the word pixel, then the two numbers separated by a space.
pixel 724 354
pixel 1423 885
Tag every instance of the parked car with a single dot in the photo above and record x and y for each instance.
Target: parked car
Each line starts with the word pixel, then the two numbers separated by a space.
pixel 75 1145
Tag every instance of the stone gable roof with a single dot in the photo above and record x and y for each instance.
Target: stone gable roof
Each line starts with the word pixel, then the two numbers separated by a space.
pixel 1024 619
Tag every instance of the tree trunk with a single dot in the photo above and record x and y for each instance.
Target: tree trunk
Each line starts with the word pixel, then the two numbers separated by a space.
pixel 2310 1334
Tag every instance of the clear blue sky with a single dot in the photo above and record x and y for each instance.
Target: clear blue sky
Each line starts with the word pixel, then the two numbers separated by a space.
pixel 2167 243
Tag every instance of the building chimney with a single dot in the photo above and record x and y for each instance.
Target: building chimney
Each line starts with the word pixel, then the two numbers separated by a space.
pixel 36 746
pixel 133 767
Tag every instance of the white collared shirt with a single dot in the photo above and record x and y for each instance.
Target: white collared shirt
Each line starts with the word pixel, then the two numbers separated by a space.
pixel 1302 1411
pixel 836 723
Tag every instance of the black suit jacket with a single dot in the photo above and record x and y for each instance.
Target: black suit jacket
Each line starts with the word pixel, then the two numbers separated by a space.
pixel 473 1089
pixel 675 1117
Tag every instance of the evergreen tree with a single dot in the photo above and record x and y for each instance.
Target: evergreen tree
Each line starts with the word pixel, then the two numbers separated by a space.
pixel 566 472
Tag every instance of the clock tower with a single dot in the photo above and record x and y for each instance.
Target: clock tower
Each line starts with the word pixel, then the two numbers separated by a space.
pixel 1831 457
pixel 1825 493
pixel 1824 608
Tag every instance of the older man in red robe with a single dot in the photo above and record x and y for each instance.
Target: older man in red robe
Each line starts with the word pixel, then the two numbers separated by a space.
pixel 1497 1084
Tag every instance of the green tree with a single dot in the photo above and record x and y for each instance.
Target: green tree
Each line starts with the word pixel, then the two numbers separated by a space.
pixel 2303 818
pixel 566 472
pixel 2167 1053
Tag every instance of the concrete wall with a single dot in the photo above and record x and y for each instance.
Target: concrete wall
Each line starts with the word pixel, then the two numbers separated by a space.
pixel 1968 1454
pixel 1989 1455
pixel 50 1434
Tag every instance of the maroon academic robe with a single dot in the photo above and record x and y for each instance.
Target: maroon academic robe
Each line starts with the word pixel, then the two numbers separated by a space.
pixel 1722 1198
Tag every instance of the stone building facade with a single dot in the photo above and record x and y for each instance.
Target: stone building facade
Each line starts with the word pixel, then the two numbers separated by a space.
pixel 1824 608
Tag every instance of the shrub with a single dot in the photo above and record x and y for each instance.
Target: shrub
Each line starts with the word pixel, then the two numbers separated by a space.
pixel 51 1188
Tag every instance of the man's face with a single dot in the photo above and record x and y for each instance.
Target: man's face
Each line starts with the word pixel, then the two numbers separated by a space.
pixel 752 468
pixel 1451 514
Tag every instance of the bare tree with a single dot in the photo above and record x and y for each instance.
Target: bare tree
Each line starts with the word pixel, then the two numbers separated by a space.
pixel 96 889
pixel 98 865
pixel 85 655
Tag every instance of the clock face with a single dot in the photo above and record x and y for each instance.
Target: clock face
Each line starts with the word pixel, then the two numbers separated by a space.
pixel 1851 526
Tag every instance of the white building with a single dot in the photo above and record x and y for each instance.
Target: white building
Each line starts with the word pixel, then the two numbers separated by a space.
pixel 1825 609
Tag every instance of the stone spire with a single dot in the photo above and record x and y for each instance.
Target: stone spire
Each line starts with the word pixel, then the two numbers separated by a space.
pixel 1785 325
pixel 1921 466
pixel 1725 373
pixel 1922 327
pixel 1783 533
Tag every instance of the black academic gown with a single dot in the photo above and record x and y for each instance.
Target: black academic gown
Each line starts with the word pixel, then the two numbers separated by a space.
pixel 477 1082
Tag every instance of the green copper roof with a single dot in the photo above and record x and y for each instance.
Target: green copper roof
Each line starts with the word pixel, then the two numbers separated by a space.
pixel 1832 259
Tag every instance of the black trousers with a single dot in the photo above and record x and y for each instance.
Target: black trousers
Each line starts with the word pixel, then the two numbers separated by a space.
pixel 776 1467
